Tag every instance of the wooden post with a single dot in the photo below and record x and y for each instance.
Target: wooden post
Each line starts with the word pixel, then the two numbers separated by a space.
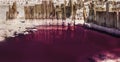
pixel 65 9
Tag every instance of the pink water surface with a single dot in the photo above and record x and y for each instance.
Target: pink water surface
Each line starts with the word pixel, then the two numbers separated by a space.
pixel 57 45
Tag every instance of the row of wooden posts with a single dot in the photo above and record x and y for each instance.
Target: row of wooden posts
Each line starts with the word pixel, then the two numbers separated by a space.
pixel 44 11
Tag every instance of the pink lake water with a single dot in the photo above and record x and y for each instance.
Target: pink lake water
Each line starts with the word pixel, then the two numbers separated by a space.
pixel 57 44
